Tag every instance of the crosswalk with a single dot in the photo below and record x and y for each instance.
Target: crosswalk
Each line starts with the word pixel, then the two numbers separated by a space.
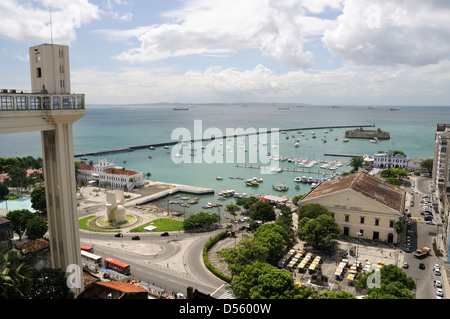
pixel 227 294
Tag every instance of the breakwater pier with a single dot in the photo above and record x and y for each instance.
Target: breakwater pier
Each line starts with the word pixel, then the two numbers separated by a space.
pixel 156 145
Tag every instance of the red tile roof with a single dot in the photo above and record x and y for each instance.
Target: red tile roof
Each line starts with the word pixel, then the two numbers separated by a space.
pixel 121 286
pixel 365 184
pixel 86 167
pixel 120 171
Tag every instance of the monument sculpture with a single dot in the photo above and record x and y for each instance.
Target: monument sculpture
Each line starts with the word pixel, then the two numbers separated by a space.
pixel 115 210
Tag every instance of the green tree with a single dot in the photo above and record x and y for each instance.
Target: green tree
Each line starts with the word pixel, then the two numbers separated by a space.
pixel 263 281
pixel 19 219
pixel 38 201
pixel 427 165
pixel 312 211
pixel 200 220
pixel 274 237
pixel 285 219
pixel 318 231
pixel 247 252
pixel 246 203
pixel 326 294
pixel 15 276
pixel 4 191
pixel 394 283
pixel 232 209
pixel 49 283
pixel 36 227
pixel 356 163
pixel 263 211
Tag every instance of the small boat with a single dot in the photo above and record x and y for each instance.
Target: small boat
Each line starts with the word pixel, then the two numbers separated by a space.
pixel 297 186
pixel 219 178
pixel 149 156
pixel 296 144
pixel 152 147
pixel 394 109
pixel 345 140
pixel 166 147
pixel 84 158
pixel 280 187
pixel 297 179
pixel 374 140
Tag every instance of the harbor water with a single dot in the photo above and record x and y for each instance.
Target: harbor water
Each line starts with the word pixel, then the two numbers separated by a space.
pixel 104 128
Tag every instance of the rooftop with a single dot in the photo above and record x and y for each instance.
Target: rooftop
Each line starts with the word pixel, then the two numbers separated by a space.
pixel 365 184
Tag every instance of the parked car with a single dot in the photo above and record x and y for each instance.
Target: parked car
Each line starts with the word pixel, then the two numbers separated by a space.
pixel 118 235
pixel 135 238
pixel 439 292
pixel 422 266
pixel 405 265
pixel 438 284
pixel 165 234
pixel 437 271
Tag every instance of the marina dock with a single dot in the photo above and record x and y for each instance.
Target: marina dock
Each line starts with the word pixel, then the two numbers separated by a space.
pixel 132 148
pixel 298 170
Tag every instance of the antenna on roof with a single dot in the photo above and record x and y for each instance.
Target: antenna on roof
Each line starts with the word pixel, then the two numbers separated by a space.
pixel 51 27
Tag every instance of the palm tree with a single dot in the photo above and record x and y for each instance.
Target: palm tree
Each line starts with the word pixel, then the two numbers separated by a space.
pixel 15 276
pixel 232 209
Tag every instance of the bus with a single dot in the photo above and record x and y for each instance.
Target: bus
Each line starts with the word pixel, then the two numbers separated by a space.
pixel 91 258
pixel 118 266
pixel 89 249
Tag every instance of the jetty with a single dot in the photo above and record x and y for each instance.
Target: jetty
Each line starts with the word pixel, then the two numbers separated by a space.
pixel 147 146
pixel 167 189
pixel 341 155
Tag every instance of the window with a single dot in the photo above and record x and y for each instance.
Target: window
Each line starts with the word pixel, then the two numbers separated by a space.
pixel 56 103
pixel 21 103
pixel 347 217
pixel 362 220
pixel 377 222
pixel 6 103
pixel 35 103
pixel 46 103
pixel 391 223
pixel 38 72
pixel 38 57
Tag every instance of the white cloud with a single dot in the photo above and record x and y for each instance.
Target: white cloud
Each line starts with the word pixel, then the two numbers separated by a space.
pixel 212 27
pixel 401 85
pixel 378 32
pixel 27 21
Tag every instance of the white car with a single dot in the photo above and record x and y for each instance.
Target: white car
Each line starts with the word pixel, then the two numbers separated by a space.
pixel 437 271
pixel 439 292
pixel 438 284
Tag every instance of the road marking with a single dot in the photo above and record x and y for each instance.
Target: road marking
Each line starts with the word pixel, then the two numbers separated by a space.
pixel 217 289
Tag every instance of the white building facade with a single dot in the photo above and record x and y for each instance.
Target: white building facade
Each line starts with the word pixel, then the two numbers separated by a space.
pixel 117 177
pixel 390 159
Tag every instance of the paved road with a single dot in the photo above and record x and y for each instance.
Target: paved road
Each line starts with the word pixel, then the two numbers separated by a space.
pixel 425 234
pixel 149 264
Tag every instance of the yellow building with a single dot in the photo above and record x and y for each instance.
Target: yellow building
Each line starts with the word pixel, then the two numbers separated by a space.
pixel 362 205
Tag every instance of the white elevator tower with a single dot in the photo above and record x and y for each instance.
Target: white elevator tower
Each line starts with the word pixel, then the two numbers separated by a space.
pixel 51 109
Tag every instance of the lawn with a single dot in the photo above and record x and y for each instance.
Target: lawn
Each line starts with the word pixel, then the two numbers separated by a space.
pixel 162 224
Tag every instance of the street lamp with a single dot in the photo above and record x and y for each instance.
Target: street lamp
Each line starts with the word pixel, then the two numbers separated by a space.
pixel 357 246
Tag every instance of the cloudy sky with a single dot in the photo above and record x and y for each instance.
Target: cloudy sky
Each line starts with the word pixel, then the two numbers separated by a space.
pixel 363 52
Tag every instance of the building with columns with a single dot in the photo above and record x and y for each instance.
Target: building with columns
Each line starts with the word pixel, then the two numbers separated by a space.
pixel 51 108
pixel 361 204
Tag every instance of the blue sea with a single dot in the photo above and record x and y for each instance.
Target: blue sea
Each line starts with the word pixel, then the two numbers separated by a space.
pixel 411 128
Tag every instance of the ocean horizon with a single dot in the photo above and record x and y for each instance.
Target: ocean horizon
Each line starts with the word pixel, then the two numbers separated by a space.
pixel 411 128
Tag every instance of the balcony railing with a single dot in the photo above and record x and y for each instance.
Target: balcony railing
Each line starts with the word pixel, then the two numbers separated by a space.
pixel 12 103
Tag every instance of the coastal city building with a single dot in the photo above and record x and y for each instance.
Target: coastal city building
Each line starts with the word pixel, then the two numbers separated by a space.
pixel 363 205
pixel 51 109
pixel 390 159
pixel 104 171
pixel 440 175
